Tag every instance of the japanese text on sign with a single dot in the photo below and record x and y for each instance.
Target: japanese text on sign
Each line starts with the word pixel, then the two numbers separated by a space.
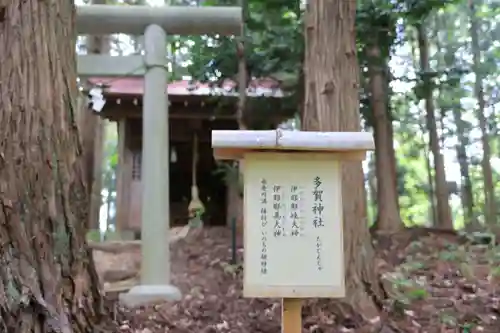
pixel 318 254
pixel 294 210
pixel 263 223
pixel 289 229
pixel 318 207
pixel 277 212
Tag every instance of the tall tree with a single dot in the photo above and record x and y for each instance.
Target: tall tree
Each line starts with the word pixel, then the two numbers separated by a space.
pixel 93 138
pixel 423 146
pixel 488 188
pixel 451 94
pixel 377 51
pixel 463 161
pixel 48 282
pixel 332 104
pixel 442 197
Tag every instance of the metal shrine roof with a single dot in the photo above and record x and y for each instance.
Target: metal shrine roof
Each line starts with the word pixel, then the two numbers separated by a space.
pixel 134 86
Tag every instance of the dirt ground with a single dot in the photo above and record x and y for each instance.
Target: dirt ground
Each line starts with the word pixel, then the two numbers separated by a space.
pixel 436 283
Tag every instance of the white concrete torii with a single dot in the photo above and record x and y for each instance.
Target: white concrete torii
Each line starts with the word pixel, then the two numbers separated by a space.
pixel 152 22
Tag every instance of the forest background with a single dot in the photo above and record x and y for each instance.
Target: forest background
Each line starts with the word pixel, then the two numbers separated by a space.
pixel 429 92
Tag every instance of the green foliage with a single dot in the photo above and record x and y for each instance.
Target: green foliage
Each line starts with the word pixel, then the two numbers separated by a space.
pixel 274 47
pixel 94 235
pixel 419 10
pixel 405 290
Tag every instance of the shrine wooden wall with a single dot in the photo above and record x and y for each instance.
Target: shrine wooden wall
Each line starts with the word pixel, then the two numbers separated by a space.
pixel 211 185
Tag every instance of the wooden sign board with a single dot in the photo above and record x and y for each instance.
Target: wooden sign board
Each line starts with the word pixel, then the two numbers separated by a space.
pixel 293 226
pixel 293 209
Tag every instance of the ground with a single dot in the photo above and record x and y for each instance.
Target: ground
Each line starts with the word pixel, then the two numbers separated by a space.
pixel 437 283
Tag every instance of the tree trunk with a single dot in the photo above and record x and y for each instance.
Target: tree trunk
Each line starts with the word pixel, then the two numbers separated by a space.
pixel 92 142
pixel 463 161
pixel 388 218
pixel 453 94
pixel 243 82
pixel 332 104
pixel 48 281
pixel 93 138
pixel 489 189
pixel 442 198
pixel 423 129
pixel 430 178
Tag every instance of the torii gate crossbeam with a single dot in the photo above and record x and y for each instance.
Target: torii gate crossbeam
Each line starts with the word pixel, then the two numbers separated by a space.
pixel 152 22
pixel 176 20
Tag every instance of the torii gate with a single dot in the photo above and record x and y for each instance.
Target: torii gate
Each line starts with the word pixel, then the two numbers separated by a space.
pixel 152 22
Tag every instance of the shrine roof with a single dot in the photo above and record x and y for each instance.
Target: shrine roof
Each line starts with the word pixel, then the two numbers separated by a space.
pixel 134 86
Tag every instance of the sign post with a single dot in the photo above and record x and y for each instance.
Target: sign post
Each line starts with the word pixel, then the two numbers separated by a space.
pixel 293 234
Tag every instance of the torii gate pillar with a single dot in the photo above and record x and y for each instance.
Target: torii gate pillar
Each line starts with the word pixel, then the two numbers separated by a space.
pixel 155 265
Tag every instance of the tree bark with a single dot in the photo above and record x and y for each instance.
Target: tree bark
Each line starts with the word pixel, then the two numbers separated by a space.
pixel 48 281
pixel 488 187
pixel 332 104
pixel 92 141
pixel 463 161
pixel 442 197
pixel 388 218
pixel 430 179
pixel 93 138
pixel 466 193
pixel 448 49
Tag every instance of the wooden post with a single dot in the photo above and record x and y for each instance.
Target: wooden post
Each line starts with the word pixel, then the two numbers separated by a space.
pixel 291 315
pixel 122 186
